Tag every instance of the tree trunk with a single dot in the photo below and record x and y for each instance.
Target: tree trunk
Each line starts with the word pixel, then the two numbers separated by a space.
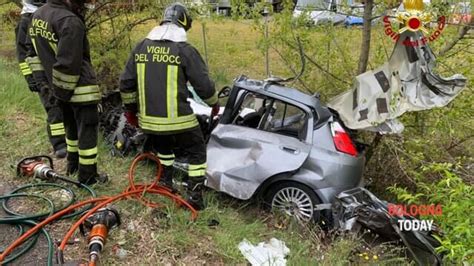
pixel 365 47
pixel 363 62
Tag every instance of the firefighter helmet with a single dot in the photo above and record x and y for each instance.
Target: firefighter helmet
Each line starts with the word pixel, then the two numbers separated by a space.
pixel 177 14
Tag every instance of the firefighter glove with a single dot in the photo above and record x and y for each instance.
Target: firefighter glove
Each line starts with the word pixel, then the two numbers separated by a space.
pixel 215 110
pixel 132 118
pixel 32 85
pixel 62 94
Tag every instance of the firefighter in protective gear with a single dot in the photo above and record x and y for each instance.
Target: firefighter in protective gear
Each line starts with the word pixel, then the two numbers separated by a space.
pixel 61 51
pixel 154 85
pixel 55 126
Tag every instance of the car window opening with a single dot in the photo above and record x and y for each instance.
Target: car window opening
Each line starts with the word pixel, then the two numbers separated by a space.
pixel 271 115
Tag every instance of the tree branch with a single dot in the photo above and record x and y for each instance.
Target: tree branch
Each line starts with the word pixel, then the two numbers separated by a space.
pixel 292 69
pixel 315 63
pixel 365 46
pixel 461 34
pixel 127 28
pixel 459 142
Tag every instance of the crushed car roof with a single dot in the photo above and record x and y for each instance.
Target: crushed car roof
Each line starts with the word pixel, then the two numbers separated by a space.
pixel 269 88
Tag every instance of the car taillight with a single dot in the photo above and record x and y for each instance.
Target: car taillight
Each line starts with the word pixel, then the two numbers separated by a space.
pixel 342 140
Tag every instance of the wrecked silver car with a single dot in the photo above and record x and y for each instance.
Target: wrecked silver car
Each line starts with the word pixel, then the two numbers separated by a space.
pixel 270 142
pixel 284 146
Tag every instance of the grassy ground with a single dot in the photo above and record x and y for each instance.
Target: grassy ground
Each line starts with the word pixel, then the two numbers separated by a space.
pixel 147 236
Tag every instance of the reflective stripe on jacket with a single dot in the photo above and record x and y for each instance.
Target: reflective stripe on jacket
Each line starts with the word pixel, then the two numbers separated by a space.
pixel 62 49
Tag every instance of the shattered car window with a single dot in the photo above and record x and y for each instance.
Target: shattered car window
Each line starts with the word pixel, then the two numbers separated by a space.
pixel 268 114
pixel 251 110
pixel 285 119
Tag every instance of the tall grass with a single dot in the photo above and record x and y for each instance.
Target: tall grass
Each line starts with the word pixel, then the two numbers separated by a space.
pixel 14 92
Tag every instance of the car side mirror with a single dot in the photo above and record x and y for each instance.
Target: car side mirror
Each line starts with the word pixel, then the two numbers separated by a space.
pixel 224 92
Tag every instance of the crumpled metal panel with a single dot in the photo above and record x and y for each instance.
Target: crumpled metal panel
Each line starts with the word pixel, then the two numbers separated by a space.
pixel 240 158
pixel 405 83
pixel 358 208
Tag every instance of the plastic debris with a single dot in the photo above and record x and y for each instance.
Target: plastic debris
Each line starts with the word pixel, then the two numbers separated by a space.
pixel 119 252
pixel 263 254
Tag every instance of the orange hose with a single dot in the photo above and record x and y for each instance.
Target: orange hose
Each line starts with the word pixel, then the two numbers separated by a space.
pixel 141 157
pixel 133 190
pixel 161 191
pixel 131 177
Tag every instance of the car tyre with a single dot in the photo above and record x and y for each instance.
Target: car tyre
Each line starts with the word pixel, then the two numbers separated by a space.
pixel 295 200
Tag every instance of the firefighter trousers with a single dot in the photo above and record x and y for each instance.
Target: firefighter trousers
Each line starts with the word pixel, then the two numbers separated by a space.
pixel 54 121
pixel 191 143
pixel 82 124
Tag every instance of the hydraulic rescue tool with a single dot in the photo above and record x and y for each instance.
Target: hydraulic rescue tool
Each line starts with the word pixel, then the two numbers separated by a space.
pixel 41 167
pixel 96 227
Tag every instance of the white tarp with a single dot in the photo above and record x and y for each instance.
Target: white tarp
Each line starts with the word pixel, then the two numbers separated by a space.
pixel 405 83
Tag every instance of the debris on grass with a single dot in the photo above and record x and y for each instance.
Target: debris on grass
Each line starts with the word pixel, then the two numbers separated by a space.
pixel 272 253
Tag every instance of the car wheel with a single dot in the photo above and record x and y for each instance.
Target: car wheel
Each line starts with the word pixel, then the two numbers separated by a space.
pixel 295 200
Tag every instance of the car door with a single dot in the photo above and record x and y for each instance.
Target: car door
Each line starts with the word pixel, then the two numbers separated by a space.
pixel 241 157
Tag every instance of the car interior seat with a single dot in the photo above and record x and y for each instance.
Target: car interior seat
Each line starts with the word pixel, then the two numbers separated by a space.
pixel 253 119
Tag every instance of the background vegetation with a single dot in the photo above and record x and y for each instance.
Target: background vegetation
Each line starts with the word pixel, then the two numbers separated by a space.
pixel 431 162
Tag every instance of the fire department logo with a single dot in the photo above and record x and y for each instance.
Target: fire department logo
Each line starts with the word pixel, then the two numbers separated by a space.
pixel 414 19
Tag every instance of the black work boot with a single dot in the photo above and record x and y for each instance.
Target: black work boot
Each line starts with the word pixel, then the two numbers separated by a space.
pixel 72 163
pixel 60 153
pixel 72 168
pixel 88 175
pixel 99 178
pixel 102 178
pixel 195 197
pixel 167 177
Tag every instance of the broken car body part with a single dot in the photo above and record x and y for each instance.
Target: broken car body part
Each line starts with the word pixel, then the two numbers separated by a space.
pixel 358 208
pixel 405 83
